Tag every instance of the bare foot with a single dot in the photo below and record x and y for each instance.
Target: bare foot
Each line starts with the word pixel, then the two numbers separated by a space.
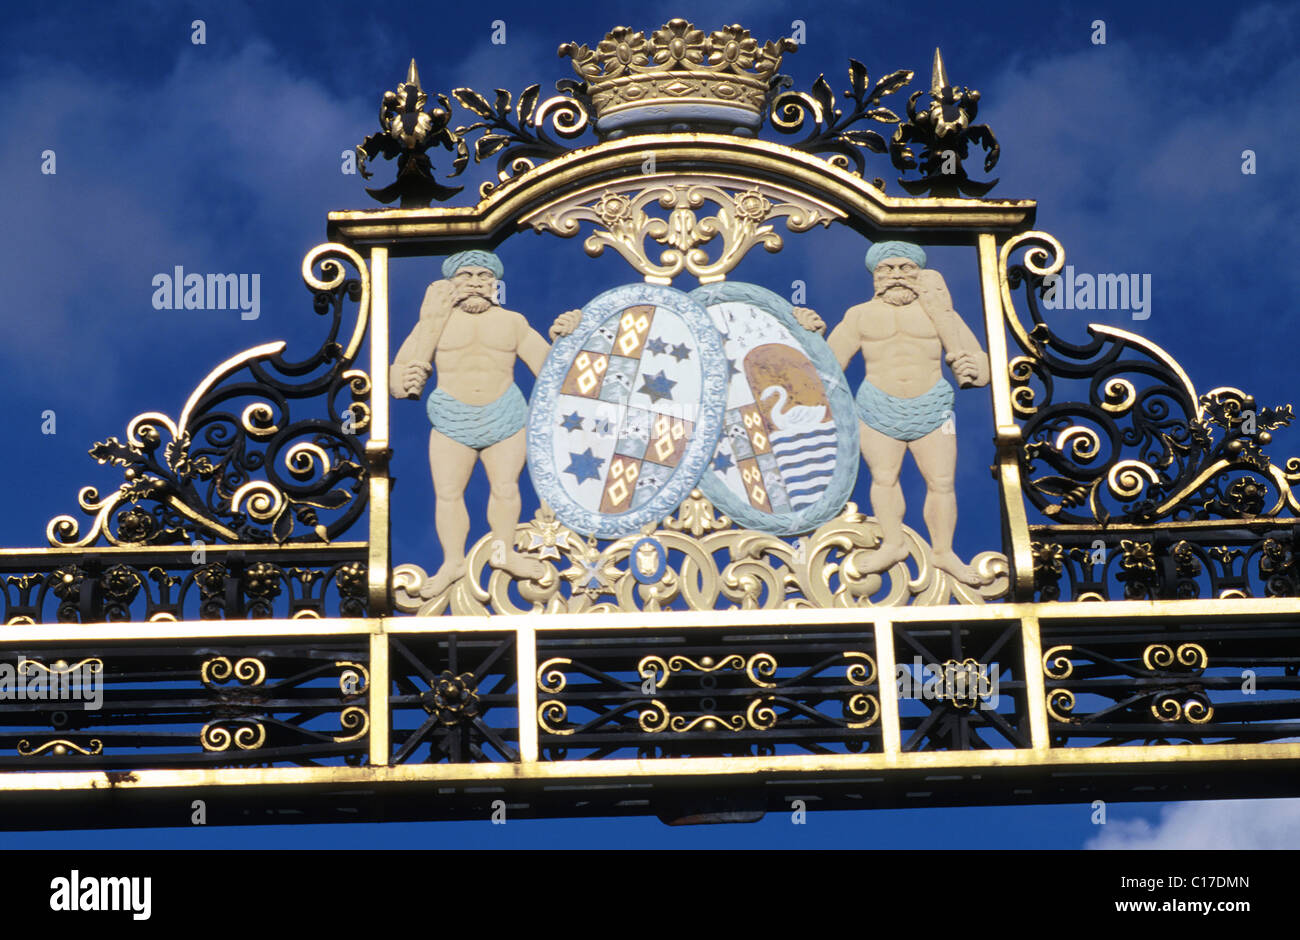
pixel 450 572
pixel 949 562
pixel 521 567
pixel 884 557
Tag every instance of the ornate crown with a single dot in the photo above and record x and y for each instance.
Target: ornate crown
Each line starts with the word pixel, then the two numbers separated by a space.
pixel 678 77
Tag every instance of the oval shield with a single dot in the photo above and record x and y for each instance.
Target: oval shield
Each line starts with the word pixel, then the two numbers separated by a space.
pixel 787 459
pixel 627 410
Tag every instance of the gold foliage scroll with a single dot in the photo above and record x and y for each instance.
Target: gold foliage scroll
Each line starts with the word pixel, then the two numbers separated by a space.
pixel 712 565
pixel 622 216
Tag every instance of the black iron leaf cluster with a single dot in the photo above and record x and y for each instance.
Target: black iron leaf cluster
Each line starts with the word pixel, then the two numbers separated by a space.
pixel 518 135
pixel 408 132
pixel 830 128
pixel 944 132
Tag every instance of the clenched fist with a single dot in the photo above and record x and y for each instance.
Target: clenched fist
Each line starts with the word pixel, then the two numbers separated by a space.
pixel 809 320
pixel 970 369
pixel 406 380
pixel 565 323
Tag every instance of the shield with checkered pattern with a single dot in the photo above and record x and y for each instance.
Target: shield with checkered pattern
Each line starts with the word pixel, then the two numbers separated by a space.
pixel 627 410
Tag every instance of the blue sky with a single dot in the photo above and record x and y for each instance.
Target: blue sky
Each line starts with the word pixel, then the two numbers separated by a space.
pixel 226 157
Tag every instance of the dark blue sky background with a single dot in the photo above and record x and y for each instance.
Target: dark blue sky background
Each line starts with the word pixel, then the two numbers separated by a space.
pixel 225 157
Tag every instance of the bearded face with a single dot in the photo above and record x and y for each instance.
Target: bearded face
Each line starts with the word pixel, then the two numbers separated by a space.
pixel 895 281
pixel 475 289
pixel 473 303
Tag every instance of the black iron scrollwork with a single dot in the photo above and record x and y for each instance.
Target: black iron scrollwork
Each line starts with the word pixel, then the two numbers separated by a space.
pixel 1135 444
pixel 519 136
pixel 242 463
pixel 830 128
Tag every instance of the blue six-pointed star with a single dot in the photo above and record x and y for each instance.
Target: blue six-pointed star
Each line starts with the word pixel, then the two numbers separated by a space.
pixel 584 466
pixel 681 351
pixel 722 463
pixel 572 422
pixel 657 386
pixel 657 345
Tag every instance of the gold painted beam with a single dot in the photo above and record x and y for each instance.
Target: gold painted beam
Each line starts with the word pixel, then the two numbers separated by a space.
pixel 118 632
pixel 684 769
pixel 1240 610
pixel 1007 438
pixel 167 554
pixel 380 722
pixel 526 680
pixel 891 740
pixel 440 229
pixel 378 446
pixel 1035 688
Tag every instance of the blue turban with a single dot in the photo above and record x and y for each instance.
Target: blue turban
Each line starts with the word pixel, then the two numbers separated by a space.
pixel 882 250
pixel 474 258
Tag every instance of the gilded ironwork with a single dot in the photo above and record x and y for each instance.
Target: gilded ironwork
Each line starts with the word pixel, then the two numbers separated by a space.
pixel 830 128
pixel 678 79
pixel 61 668
pixel 354 679
pixel 963 685
pixel 59 747
pixel 741 222
pixel 719 563
pixel 1197 684
pixel 168 586
pixel 218 670
pixel 1184 562
pixel 1113 685
pixel 450 698
pixel 945 131
pixel 1159 570
pixel 221 736
pixel 678 75
pixel 521 138
pixel 807 692
pixel 1146 488
pixel 961 682
pixel 1141 446
pixel 236 465
pixel 189 703
pixel 355 722
pixel 408 132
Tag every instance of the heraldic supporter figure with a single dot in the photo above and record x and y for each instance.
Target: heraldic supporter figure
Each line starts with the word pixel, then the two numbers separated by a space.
pixel 905 332
pixel 477 411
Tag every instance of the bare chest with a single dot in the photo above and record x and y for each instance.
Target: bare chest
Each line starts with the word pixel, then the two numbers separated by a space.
pixel 490 331
pixel 881 321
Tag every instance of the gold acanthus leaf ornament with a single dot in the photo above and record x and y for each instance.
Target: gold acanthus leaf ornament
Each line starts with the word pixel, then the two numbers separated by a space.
pixel 622 215
pixel 711 565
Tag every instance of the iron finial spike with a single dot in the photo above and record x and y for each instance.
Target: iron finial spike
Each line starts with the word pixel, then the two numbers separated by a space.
pixel 413 75
pixel 939 77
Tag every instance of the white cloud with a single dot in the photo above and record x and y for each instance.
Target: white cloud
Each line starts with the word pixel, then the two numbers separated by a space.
pixel 1223 824
pixel 223 164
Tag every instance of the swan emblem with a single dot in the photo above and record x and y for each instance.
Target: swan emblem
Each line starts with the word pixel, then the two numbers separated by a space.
pixel 788 416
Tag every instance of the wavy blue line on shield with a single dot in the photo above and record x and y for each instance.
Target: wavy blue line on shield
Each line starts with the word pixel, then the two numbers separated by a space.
pixel 787 459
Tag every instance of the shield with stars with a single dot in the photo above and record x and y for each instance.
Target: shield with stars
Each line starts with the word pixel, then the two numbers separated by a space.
pixel 787 459
pixel 627 410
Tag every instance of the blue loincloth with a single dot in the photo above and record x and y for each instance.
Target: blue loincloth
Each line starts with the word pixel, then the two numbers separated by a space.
pixel 478 426
pixel 905 419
